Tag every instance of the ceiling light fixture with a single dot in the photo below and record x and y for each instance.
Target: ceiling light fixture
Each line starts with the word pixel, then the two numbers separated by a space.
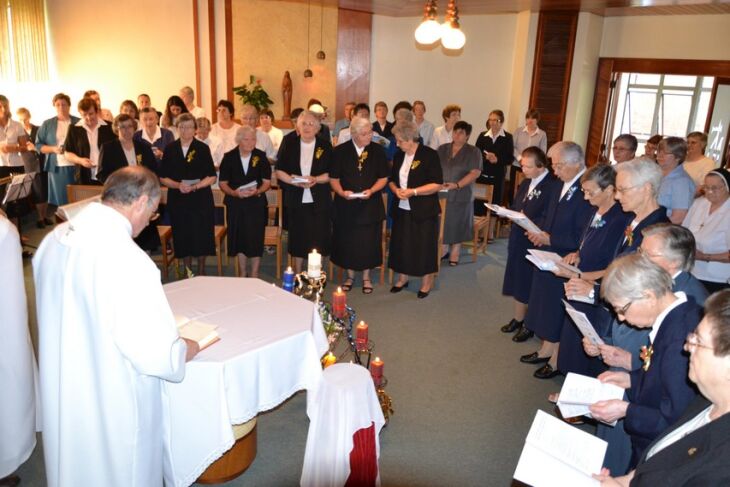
pixel 308 72
pixel 430 31
pixel 451 35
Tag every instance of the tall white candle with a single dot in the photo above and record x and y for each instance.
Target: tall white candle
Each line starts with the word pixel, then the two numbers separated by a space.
pixel 314 264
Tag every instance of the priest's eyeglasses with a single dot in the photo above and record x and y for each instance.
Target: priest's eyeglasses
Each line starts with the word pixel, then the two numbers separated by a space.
pixel 693 342
pixel 626 189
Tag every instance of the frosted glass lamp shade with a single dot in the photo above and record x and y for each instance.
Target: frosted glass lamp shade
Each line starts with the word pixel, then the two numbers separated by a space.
pixel 452 38
pixel 428 32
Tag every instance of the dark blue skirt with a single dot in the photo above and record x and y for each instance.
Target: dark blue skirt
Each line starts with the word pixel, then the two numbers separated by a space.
pixel 518 271
pixel 545 311
pixel 572 357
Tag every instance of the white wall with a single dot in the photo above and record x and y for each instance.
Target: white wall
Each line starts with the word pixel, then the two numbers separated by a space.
pixel 479 77
pixel 522 64
pixel 583 78
pixel 667 37
pixel 118 49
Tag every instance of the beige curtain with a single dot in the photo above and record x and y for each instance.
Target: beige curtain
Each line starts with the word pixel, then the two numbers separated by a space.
pixel 6 72
pixel 28 40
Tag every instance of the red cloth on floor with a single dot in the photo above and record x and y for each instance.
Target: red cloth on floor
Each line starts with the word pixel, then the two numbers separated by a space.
pixel 363 460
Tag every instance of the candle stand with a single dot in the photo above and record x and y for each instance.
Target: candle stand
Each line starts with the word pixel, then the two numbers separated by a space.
pixel 310 287
pixel 341 335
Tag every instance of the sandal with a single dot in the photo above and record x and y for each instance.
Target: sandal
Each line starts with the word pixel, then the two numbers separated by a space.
pixel 347 285
pixel 453 263
pixel 367 289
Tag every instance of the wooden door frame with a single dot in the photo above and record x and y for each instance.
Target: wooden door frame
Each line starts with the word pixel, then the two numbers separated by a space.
pixel 607 67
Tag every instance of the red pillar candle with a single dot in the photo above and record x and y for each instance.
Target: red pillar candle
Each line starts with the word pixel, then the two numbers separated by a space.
pixel 376 370
pixel 339 300
pixel 361 335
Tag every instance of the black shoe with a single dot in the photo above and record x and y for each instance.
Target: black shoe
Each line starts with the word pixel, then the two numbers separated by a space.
pixel 40 224
pixel 523 335
pixel 446 256
pixel 48 221
pixel 533 358
pixel 512 326
pixel 546 372
pixel 397 289
pixel 423 294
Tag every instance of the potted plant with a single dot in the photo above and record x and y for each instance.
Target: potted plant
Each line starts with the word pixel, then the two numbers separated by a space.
pixel 252 93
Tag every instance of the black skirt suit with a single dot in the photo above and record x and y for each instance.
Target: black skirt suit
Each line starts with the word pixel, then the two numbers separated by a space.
pixel 77 142
pixel 357 235
pixel 246 216
pixel 309 224
pixel 192 214
pixel 112 158
pixel 534 204
pixel 494 174
pixel 414 235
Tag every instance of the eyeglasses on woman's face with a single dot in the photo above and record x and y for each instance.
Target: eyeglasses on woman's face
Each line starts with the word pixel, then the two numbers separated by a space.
pixel 693 342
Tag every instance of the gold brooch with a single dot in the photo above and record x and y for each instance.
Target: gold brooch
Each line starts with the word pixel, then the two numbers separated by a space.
pixel 415 164
pixel 191 154
pixel 361 160
pixel 319 153
pixel 139 158
pixel 645 355
pixel 254 161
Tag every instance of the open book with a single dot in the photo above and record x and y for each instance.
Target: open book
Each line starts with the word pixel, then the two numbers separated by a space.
pixel 516 216
pixel 244 187
pixel 204 334
pixel 68 212
pixel 549 261
pixel 558 455
pixel 580 391
pixel 583 323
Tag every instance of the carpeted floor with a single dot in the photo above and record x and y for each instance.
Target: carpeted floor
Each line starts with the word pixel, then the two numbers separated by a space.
pixel 463 402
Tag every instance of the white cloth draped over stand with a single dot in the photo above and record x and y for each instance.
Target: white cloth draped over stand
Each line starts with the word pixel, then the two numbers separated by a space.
pixel 345 402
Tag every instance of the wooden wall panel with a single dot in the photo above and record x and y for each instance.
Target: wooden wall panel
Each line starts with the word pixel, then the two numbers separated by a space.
pixel 354 32
pixel 601 99
pixel 551 73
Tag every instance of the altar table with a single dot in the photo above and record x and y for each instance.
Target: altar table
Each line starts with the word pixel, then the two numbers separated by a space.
pixel 270 346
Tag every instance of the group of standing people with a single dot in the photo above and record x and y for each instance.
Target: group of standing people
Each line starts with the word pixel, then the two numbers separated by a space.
pixel 639 277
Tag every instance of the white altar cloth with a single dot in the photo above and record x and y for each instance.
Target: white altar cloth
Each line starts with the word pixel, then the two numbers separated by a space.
pixel 270 346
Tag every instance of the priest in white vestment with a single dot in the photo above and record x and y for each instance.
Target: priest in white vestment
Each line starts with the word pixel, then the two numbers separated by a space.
pixel 107 340
pixel 18 371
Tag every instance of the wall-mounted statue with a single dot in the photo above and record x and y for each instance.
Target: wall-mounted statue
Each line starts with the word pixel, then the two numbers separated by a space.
pixel 286 91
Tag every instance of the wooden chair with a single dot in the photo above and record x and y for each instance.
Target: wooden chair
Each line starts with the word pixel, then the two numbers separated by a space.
pixel 274 231
pixel 165 232
pixel 220 231
pixel 483 194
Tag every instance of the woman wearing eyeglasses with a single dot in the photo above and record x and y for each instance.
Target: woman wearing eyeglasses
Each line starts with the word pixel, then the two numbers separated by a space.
pixel 303 166
pixel 709 221
pixel 657 393
pixel 694 451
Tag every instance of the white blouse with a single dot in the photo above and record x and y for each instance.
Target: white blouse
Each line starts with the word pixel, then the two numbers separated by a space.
pixel 403 180
pixel 712 234
pixel 305 162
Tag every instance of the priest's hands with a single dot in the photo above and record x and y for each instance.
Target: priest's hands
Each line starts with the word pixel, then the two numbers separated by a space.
pixel 590 348
pixel 192 349
pixel 608 481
